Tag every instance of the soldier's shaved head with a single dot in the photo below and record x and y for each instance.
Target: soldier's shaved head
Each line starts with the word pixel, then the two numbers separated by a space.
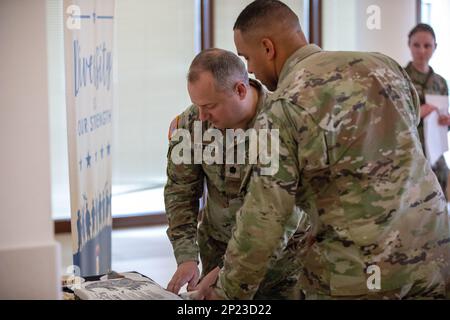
pixel 267 17
pixel 266 33
pixel 225 67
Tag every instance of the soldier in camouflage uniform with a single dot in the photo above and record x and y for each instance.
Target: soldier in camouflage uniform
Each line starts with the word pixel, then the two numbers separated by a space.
pixel 351 158
pixel 185 182
pixel 422 43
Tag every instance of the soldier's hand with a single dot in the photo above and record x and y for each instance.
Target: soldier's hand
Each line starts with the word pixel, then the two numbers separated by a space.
pixel 444 120
pixel 426 109
pixel 212 295
pixel 187 272
pixel 205 286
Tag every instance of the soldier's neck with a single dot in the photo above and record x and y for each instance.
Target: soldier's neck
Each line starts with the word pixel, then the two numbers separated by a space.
pixel 421 67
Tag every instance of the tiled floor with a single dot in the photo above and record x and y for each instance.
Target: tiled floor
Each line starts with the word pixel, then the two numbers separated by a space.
pixel 145 250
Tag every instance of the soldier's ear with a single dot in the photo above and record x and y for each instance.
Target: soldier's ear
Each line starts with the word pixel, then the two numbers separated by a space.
pixel 241 90
pixel 269 48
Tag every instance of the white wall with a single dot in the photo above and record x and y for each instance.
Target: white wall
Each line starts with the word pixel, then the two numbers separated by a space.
pixel 345 26
pixel 439 20
pixel 28 253
pixel 397 19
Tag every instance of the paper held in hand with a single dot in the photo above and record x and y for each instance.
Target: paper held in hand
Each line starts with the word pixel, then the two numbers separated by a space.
pixel 436 139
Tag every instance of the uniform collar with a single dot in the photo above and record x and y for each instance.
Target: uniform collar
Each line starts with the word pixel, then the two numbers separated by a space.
pixel 262 94
pixel 296 57
pixel 412 68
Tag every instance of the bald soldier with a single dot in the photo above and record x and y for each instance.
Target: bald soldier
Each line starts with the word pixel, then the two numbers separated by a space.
pixel 223 98
pixel 350 157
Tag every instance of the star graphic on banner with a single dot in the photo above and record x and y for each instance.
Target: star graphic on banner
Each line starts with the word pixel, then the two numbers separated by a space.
pixel 81 164
pixel 101 151
pixel 88 160
pixel 108 149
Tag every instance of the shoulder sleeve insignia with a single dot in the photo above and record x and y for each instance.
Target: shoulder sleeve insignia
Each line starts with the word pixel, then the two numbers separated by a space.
pixel 173 126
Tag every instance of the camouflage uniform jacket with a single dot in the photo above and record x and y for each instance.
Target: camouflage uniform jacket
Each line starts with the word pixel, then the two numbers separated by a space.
pixel 351 158
pixel 185 186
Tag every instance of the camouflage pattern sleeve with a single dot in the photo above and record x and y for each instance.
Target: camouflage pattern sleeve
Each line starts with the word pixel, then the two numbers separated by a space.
pixel 414 95
pixel 266 220
pixel 182 192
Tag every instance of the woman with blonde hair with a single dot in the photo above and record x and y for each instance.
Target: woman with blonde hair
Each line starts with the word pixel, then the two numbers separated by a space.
pixel 422 43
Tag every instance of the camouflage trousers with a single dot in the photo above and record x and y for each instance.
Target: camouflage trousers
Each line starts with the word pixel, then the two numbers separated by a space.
pixel 281 281
pixel 416 291
pixel 441 171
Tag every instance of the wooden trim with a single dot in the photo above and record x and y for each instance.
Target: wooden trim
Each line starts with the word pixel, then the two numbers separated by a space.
pixel 315 22
pixel 418 11
pixel 207 24
pixel 146 220
pixel 62 226
pixel 140 221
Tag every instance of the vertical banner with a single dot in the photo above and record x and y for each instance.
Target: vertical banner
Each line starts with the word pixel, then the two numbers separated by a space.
pixel 89 93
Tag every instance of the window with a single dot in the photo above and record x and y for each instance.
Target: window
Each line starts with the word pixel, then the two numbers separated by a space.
pixel 57 110
pixel 154 43
pixel 436 13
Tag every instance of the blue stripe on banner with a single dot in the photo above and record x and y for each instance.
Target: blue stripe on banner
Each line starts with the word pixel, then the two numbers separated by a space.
pixel 81 17
pixel 105 17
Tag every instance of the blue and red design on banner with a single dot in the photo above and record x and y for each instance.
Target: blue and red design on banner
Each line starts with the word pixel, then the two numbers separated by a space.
pixel 89 94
